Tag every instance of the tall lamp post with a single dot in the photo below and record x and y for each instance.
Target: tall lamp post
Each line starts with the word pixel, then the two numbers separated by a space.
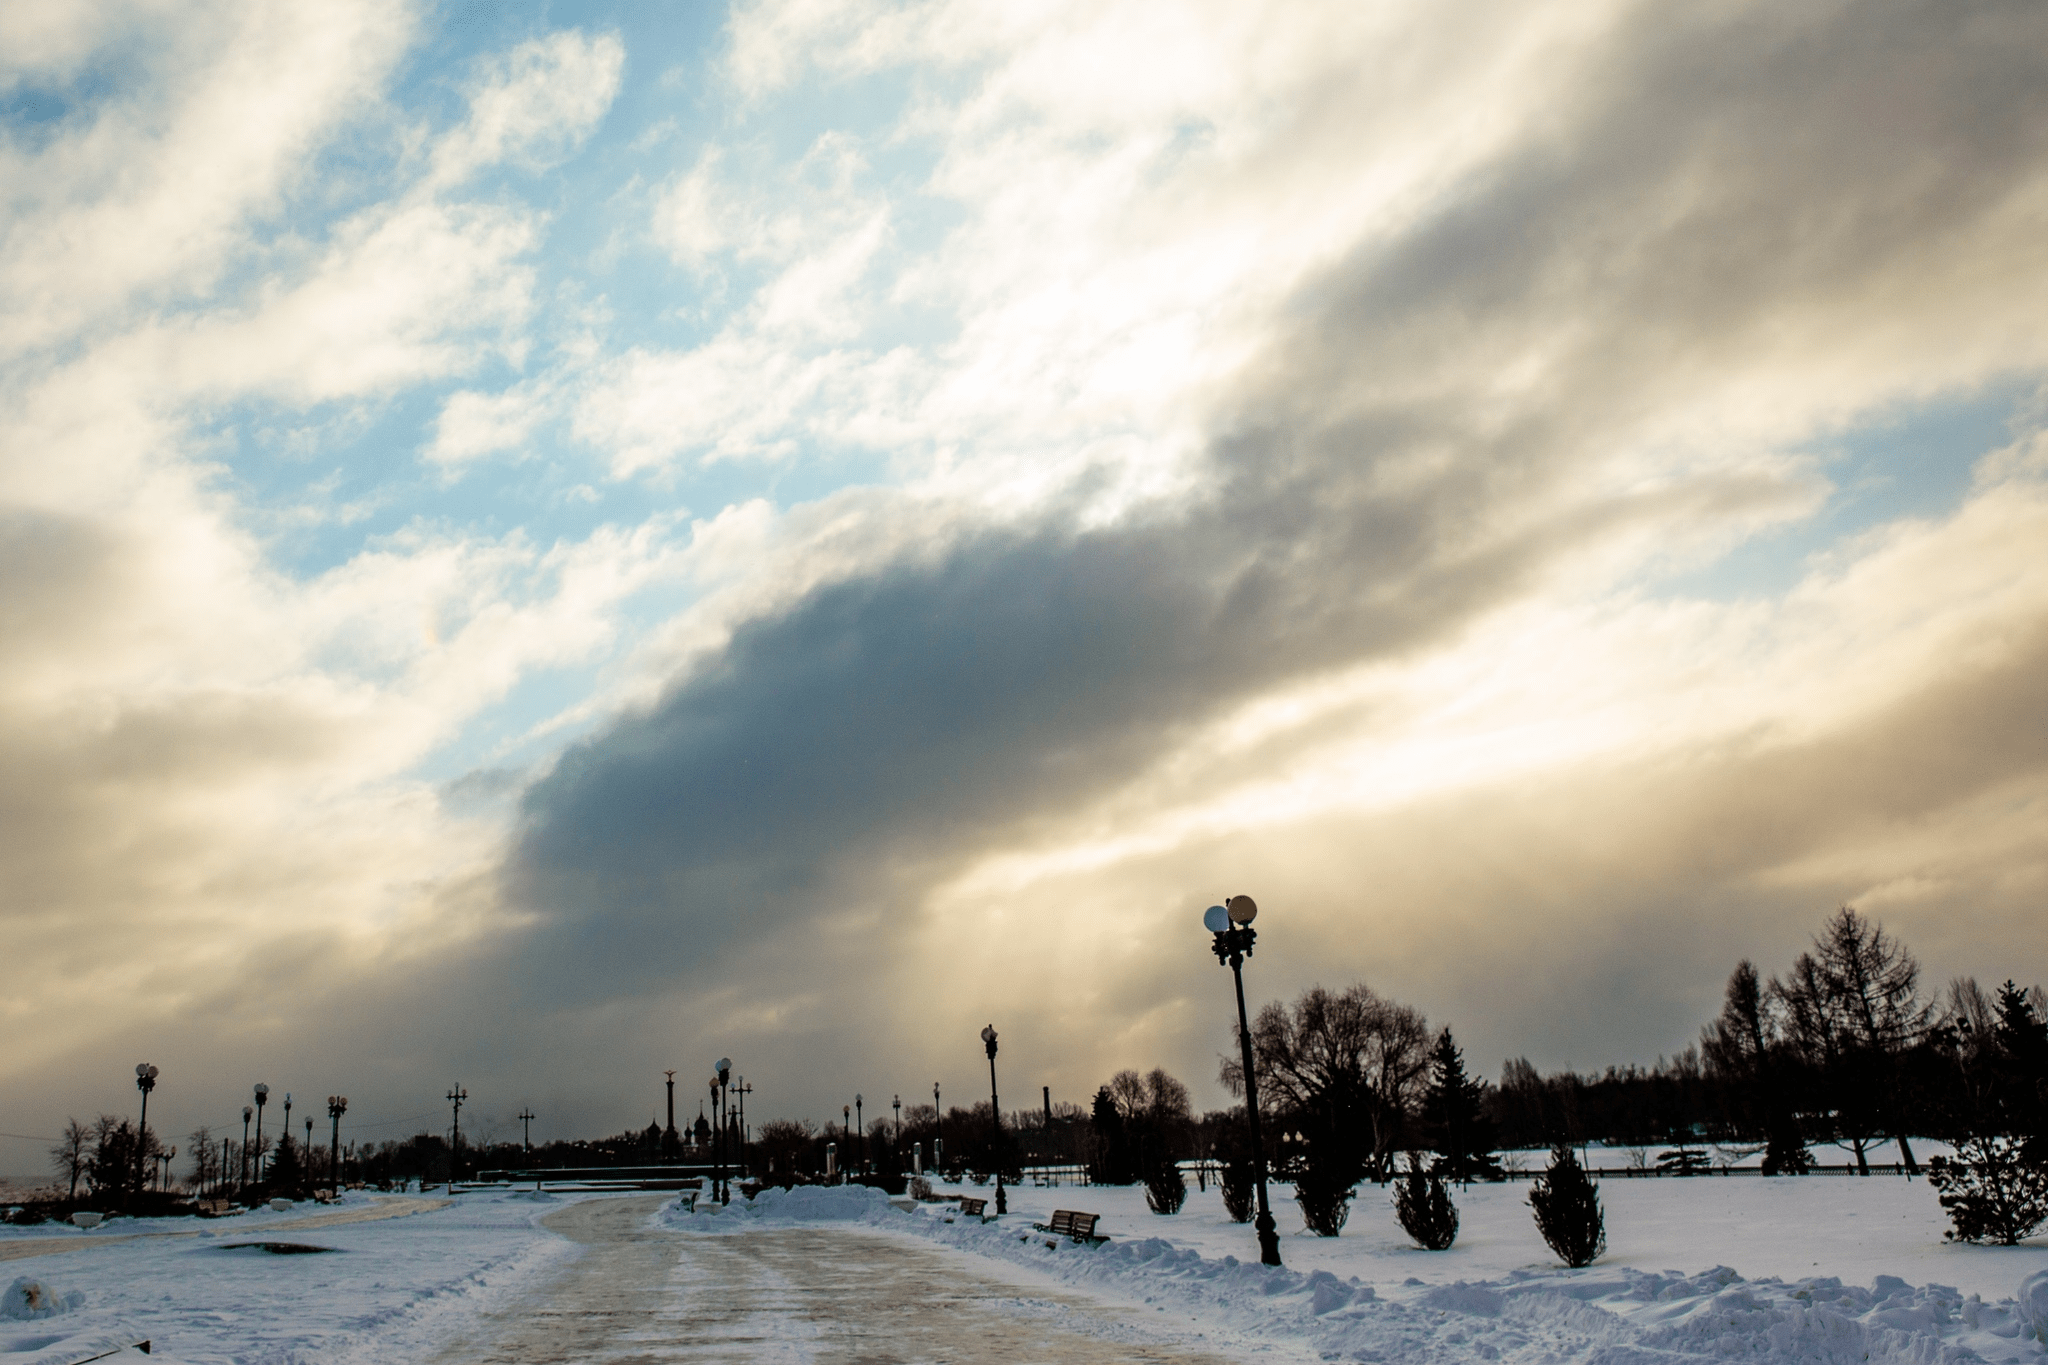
pixel 668 1135
pixel 995 1109
pixel 860 1125
pixel 1231 923
pixel 246 1112
pixel 846 1129
pixel 718 1087
pixel 938 1133
pixel 286 1140
pixel 897 1104
pixel 527 1116
pixel 262 1098
pixel 743 1089
pixel 456 1095
pixel 145 1081
pixel 337 1105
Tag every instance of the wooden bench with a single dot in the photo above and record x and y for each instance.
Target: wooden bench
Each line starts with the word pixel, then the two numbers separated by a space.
pixel 971 1207
pixel 1073 1223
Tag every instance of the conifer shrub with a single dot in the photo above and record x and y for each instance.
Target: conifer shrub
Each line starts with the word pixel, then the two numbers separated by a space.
pixel 1166 1189
pixel 1236 1184
pixel 1995 1189
pixel 1568 1210
pixel 1785 1148
pixel 1424 1207
pixel 1324 1197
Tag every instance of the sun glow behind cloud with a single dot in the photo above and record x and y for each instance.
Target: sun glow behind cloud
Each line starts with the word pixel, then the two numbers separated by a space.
pixel 927 492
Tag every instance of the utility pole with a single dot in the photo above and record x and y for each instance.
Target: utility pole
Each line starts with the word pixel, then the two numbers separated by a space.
pixel 527 1116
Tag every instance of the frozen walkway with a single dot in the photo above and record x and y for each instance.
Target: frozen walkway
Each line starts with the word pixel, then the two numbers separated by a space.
pixel 789 1295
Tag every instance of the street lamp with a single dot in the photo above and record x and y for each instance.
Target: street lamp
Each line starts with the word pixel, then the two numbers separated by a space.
pixel 145 1081
pixel 995 1109
pixel 1231 923
pixel 846 1126
pixel 246 1112
pixel 938 1134
pixel 456 1095
pixel 337 1105
pixel 723 1070
pixel 861 1126
pixel 286 1140
pixel 897 1105
pixel 527 1116
pixel 262 1098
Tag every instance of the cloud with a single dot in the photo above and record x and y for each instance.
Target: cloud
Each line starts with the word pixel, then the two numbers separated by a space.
pixel 1603 342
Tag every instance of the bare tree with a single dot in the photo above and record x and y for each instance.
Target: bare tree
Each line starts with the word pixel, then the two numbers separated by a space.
pixel 72 1156
pixel 1350 1065
pixel 1854 1012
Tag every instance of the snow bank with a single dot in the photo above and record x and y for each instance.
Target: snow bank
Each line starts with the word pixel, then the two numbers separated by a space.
pixel 800 1204
pixel 1621 1316
pixel 1618 1315
pixel 29 1298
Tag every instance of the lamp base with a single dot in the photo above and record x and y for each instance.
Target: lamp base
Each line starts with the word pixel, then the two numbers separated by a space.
pixel 1269 1240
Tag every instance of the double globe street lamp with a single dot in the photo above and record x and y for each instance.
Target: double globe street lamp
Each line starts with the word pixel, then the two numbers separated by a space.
pixel 1231 923
pixel 995 1109
pixel 145 1081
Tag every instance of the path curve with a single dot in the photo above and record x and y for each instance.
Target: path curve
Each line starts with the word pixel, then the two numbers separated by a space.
pixel 825 1294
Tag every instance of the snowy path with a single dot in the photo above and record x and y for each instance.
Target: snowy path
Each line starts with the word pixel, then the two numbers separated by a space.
pixel 383 1208
pixel 641 1293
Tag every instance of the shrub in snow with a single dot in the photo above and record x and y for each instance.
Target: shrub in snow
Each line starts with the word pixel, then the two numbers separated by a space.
pixel 1995 1189
pixel 1424 1207
pixel 1785 1150
pixel 1568 1211
pixel 1324 1198
pixel 1166 1189
pixel 1236 1184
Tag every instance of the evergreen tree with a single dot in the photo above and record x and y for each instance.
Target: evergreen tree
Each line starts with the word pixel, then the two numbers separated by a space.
pixel 1568 1211
pixel 2020 1044
pixel 287 1174
pixel 1424 1206
pixel 1113 1164
pixel 1239 1188
pixel 1454 1117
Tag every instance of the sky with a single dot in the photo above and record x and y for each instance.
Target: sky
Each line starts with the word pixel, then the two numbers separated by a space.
pixel 544 544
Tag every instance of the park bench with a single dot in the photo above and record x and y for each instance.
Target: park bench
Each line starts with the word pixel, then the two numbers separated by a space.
pixel 1074 1224
pixel 971 1207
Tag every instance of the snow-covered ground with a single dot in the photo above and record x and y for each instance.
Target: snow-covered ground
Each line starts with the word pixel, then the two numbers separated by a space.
pixel 388 1290
pixel 1820 1268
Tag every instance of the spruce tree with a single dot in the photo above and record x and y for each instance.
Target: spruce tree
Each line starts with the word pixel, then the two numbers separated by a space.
pixel 1568 1210
pixel 1454 1119
pixel 1424 1206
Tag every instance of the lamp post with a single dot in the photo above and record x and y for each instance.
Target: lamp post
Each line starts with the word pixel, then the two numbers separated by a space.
pixel 743 1089
pixel 527 1116
pixel 262 1098
pixel 337 1105
pixel 846 1126
pixel 1231 923
pixel 718 1087
pixel 145 1081
pixel 938 1132
pixel 668 1138
pixel 456 1095
pixel 286 1139
pixel 246 1112
pixel 861 1126
pixel 995 1109
pixel 307 1152
pixel 897 1105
